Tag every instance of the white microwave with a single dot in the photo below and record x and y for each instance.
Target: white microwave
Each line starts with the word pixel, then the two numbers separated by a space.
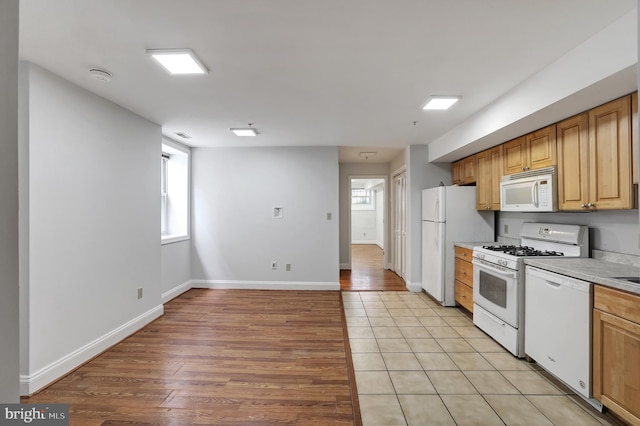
pixel 532 191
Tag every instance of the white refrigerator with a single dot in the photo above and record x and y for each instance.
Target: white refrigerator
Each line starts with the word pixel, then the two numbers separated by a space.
pixel 449 215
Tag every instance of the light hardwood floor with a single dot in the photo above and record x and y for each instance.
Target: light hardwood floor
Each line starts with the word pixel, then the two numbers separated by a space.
pixel 222 357
pixel 368 273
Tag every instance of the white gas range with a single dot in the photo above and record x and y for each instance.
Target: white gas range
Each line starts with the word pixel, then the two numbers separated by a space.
pixel 498 277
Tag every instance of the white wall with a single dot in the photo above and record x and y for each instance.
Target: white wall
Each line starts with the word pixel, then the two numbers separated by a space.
pixel 93 225
pixel 615 231
pixel 347 171
pixel 234 234
pixel 9 299
pixel 363 227
pixel 175 269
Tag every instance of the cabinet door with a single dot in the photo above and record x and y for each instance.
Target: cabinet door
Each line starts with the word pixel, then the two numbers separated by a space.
pixel 573 162
pixel 541 147
pixel 468 170
pixel 483 180
pixel 456 172
pixel 464 295
pixel 515 156
pixel 489 172
pixel 634 136
pixel 616 364
pixel 496 174
pixel 610 155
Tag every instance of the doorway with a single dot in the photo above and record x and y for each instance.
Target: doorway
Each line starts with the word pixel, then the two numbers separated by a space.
pixel 368 218
pixel 400 224
pixel 369 255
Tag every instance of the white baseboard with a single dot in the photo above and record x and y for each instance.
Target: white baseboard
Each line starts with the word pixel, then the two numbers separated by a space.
pixel 345 266
pixel 414 287
pixel 366 242
pixel 175 292
pixel 32 383
pixel 265 285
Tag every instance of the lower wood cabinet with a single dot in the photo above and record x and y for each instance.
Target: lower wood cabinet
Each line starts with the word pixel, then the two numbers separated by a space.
pixel 464 278
pixel 616 352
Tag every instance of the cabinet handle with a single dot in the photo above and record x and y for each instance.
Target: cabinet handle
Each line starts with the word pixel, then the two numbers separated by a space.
pixel 583 206
pixel 590 205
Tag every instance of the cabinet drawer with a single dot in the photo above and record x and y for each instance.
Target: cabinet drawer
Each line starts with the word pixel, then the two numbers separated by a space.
pixel 464 272
pixel 464 295
pixel 464 253
pixel 616 302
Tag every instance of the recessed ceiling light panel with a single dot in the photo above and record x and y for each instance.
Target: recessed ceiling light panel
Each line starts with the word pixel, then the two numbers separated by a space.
pixel 178 61
pixel 248 131
pixel 440 102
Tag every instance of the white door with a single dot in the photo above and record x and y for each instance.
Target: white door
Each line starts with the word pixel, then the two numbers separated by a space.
pixel 433 259
pixel 400 224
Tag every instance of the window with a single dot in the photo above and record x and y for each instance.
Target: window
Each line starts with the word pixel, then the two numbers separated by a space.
pixel 360 196
pixel 164 163
pixel 174 192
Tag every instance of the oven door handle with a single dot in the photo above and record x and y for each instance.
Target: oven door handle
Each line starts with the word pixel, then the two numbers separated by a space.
pixel 494 269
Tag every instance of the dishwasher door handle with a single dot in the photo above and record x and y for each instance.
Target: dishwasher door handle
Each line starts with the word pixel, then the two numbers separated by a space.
pixel 553 284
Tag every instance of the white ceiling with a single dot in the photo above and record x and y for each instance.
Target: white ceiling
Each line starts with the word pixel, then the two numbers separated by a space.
pixel 348 73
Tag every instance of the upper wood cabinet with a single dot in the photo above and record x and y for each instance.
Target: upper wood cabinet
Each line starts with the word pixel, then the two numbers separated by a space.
pixel 489 172
pixel 456 173
pixel 530 152
pixel 610 155
pixel 634 136
pixel 573 162
pixel 594 156
pixel 464 171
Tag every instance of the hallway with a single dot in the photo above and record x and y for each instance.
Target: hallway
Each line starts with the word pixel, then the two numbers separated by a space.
pixel 367 271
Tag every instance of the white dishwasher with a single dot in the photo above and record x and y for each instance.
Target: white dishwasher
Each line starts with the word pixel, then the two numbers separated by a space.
pixel 558 327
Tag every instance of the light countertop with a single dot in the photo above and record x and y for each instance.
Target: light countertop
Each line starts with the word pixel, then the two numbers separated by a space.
pixel 471 245
pixel 593 270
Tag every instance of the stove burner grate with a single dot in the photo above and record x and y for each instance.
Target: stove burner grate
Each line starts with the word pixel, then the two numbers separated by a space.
pixel 522 251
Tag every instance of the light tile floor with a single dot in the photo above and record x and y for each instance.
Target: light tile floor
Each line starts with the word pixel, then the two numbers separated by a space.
pixel 418 363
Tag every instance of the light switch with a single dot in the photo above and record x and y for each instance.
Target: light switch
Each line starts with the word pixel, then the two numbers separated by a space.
pixel 328 215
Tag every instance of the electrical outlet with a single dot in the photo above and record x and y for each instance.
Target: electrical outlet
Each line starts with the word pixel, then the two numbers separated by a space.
pixel 506 229
pixel 274 265
pixel 328 215
pixel 140 293
pixel 288 267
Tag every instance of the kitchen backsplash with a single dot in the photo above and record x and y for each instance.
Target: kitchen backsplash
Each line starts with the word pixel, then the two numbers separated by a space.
pixel 508 240
pixel 609 256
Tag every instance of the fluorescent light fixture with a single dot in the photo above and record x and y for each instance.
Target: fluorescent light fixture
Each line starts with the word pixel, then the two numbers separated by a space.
pixel 178 61
pixel 440 102
pixel 247 131
pixel 367 155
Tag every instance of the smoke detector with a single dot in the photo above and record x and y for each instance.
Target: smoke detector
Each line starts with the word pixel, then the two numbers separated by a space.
pixel 100 75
